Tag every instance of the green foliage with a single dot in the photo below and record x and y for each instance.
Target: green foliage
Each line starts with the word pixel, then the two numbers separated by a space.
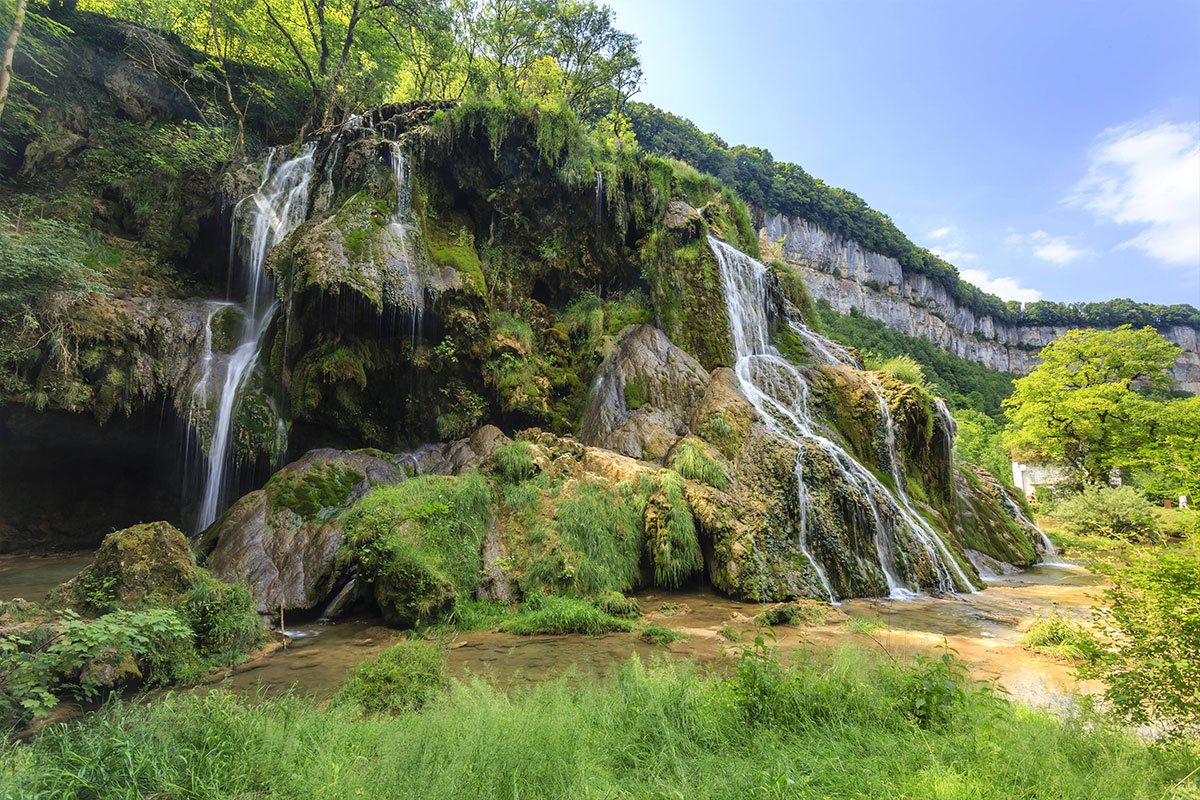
pixel 657 730
pixel 602 527
pixel 940 691
pixel 556 615
pixel 1058 635
pixel 223 618
pixel 963 383
pixel 980 441
pixel 903 368
pixel 671 533
pixel 1081 406
pixel 418 544
pixel 405 677
pixel 1120 512
pixel 693 463
pixel 635 393
pixel 656 634
pixel 617 604
pixel 37 257
pixel 316 495
pixel 514 462
pixel 1152 614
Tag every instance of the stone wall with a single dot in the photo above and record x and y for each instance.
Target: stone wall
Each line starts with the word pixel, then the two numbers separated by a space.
pixel 848 276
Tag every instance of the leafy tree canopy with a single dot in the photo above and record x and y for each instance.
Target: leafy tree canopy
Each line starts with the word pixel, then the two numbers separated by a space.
pixel 1082 407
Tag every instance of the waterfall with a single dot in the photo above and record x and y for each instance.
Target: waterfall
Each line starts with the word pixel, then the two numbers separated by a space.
pixel 599 201
pixel 403 228
pixel 1049 551
pixel 278 206
pixel 779 392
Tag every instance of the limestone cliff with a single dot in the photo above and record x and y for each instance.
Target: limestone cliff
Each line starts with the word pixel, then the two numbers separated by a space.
pixel 849 277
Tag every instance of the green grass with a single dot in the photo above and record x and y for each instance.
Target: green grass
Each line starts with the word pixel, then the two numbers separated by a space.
pixel 514 462
pixel 549 614
pixel 1061 636
pixel 404 677
pixel 657 634
pixel 693 463
pixel 838 730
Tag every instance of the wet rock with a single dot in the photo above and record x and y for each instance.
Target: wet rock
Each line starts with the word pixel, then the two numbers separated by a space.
pixel 282 541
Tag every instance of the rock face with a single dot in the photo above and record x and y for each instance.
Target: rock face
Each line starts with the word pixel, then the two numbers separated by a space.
pixel 847 276
pixel 282 541
pixel 643 395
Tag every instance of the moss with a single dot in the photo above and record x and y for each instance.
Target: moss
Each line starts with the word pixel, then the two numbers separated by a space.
pixel 418 544
pixel 636 395
pixel 317 494
pixel 136 568
pixel 454 247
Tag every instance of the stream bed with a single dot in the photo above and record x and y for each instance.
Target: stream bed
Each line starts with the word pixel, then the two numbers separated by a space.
pixel 985 628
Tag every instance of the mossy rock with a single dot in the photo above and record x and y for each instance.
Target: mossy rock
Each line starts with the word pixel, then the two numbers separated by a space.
pixel 140 567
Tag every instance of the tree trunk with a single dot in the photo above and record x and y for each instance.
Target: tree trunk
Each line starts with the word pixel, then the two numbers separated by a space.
pixel 10 47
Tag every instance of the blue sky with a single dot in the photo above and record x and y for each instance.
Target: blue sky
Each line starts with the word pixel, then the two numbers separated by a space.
pixel 1047 149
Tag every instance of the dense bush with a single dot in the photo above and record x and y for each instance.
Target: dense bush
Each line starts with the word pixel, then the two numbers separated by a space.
pixel 903 368
pixel 38 256
pixel 1153 616
pixel 1121 513
pixel 404 677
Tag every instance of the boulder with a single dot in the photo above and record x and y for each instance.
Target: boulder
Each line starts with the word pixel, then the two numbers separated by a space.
pixel 282 541
pixel 643 396
pixel 142 566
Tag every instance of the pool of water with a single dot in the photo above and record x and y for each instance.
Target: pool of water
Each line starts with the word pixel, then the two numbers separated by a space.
pixel 32 576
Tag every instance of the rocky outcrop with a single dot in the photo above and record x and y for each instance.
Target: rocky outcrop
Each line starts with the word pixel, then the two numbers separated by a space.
pixel 849 277
pixel 643 395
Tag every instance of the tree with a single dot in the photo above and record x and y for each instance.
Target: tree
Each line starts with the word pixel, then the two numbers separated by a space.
pixel 1081 406
pixel 980 442
pixel 10 47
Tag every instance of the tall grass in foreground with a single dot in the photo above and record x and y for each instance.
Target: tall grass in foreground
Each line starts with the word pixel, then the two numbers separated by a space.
pixel 844 729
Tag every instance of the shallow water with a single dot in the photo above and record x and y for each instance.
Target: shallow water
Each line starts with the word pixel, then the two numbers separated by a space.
pixel 985 628
pixel 31 577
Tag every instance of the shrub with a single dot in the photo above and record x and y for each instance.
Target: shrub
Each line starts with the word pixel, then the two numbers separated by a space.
pixel 37 257
pixel 514 462
pixel 1120 513
pixel 223 618
pixel 1153 616
pixel 550 614
pixel 693 463
pixel 602 525
pixel 1060 636
pixel 418 543
pixel 405 677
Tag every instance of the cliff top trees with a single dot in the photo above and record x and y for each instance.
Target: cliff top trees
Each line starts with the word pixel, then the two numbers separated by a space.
pixel 1082 406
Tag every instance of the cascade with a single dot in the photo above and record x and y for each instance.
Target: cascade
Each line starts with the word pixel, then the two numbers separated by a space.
pixel 403 229
pixel 1049 551
pixel 779 392
pixel 279 205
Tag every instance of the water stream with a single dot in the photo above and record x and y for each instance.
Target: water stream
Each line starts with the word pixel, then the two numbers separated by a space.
pixel 278 206
pixel 780 392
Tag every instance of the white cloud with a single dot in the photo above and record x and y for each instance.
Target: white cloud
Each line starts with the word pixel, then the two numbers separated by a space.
pixel 951 244
pixel 1004 288
pixel 1055 249
pixel 1148 176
